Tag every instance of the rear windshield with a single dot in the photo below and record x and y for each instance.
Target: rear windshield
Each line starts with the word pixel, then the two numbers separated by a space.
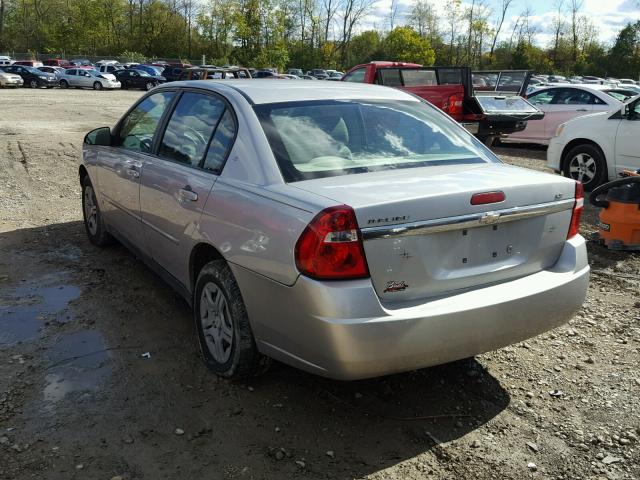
pixel 328 138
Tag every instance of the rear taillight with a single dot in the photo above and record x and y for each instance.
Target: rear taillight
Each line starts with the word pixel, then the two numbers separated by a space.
pixel 578 205
pixel 487 197
pixel 455 104
pixel 330 247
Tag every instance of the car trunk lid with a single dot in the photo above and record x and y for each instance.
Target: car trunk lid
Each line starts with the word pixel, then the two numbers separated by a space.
pixel 423 237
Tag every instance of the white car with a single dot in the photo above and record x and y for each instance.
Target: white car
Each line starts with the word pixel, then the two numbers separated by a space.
pixel 561 103
pixel 10 79
pixel 596 148
pixel 84 78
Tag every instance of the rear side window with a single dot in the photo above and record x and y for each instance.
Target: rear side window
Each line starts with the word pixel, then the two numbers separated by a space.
pixel 573 96
pixel 355 76
pixel 390 77
pixel 139 126
pixel 221 143
pixel 416 78
pixel 542 98
pixel 329 138
pixel 191 125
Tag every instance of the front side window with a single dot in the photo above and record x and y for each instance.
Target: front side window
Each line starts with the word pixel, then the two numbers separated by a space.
pixel 542 98
pixel 573 96
pixel 190 127
pixel 356 76
pixel 139 126
pixel 329 138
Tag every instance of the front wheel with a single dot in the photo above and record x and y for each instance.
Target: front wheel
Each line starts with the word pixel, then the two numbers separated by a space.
pixel 97 86
pixel 149 85
pixel 586 163
pixel 93 223
pixel 33 84
pixel 64 84
pixel 226 340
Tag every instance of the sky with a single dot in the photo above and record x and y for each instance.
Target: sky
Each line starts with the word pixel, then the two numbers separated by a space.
pixel 609 16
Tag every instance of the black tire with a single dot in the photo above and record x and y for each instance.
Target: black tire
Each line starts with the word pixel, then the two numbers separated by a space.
pixel 578 165
pixel 97 234
pixel 243 360
pixel 149 85
pixel 97 86
pixel 33 83
pixel 123 86
pixel 64 84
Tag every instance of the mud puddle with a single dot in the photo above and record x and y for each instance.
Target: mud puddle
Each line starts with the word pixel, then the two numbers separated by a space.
pixel 25 309
pixel 77 366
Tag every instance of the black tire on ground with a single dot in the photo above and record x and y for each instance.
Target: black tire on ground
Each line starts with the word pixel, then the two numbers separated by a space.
pixel 33 83
pixel 239 356
pixel 587 164
pixel 64 84
pixel 97 86
pixel 96 232
pixel 149 85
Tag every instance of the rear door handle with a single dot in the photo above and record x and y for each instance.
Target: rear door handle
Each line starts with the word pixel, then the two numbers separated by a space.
pixel 582 110
pixel 187 194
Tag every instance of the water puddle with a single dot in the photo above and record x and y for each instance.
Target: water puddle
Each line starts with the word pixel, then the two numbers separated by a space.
pixel 24 309
pixel 77 364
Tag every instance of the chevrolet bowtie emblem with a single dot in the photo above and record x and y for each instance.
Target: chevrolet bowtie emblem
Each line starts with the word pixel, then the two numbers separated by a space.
pixel 489 218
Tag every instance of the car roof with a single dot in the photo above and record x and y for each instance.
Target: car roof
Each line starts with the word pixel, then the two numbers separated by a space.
pixel 271 91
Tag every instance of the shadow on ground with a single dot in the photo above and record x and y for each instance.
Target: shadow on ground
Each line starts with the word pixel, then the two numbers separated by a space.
pixel 114 371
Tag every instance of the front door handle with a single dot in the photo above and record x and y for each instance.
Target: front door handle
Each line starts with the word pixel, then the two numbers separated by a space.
pixel 582 110
pixel 187 194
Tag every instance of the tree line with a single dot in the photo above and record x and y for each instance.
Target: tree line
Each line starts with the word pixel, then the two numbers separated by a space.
pixel 319 33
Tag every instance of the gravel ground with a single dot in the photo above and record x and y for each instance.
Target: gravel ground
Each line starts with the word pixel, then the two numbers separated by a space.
pixel 100 377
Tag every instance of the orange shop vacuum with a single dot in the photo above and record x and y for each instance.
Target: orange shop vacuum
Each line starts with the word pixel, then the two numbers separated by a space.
pixel 619 201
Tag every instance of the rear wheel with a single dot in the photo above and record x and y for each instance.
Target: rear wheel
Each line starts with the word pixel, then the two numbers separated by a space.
pixel 97 86
pixel 586 163
pixel 93 223
pixel 64 84
pixel 225 336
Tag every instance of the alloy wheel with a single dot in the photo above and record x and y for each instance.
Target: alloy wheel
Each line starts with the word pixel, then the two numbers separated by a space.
pixel 582 167
pixel 33 84
pixel 216 322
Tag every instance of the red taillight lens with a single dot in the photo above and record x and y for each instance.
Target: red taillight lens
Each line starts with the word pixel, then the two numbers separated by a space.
pixel 487 197
pixel 455 104
pixel 574 226
pixel 331 246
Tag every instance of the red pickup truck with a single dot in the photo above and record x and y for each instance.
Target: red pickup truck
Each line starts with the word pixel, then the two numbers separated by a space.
pixel 495 109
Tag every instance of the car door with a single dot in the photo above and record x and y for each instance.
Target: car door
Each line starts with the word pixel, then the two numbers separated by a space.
pixel 627 149
pixel 85 78
pixel 535 129
pixel 72 77
pixel 122 165
pixel 567 103
pixel 176 183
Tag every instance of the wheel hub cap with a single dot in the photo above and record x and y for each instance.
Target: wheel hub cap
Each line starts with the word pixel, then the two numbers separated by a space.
pixel 90 211
pixel 216 322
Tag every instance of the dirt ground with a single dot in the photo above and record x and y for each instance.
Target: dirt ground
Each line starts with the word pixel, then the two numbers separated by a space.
pixel 100 377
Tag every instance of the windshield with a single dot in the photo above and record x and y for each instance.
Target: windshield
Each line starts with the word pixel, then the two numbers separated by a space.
pixel 618 95
pixel 317 139
pixel 34 70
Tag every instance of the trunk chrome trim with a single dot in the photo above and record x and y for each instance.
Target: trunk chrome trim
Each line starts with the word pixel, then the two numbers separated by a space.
pixel 460 222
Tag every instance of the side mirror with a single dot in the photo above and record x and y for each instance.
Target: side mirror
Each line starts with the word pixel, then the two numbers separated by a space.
pixel 100 136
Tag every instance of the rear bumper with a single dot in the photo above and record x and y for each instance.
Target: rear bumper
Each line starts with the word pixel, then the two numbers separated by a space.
pixel 342 330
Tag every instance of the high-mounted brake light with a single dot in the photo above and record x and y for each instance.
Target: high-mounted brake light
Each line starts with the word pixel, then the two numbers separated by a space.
pixel 330 247
pixel 578 206
pixel 487 197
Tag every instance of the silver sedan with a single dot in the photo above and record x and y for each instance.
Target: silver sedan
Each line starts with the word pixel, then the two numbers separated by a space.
pixel 349 230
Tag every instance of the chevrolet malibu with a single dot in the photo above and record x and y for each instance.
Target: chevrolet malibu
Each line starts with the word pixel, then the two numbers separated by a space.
pixel 348 230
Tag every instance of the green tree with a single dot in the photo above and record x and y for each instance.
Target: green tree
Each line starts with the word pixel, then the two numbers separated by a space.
pixel 624 57
pixel 404 44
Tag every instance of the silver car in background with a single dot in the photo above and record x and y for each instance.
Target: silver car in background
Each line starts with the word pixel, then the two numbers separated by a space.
pixel 10 79
pixel 86 78
pixel 349 230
